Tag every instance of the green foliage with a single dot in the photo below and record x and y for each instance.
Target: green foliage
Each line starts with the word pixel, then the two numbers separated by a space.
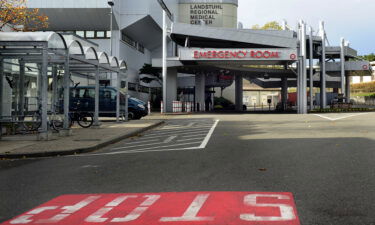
pixel 223 102
pixel 273 25
pixel 370 57
pixel 338 110
pixel 148 69
pixel 368 87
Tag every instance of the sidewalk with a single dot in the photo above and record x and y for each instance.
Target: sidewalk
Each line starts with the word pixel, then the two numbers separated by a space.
pixel 82 140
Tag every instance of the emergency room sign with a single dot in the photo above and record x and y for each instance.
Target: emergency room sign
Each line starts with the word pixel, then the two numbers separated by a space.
pixel 255 54
pixel 193 208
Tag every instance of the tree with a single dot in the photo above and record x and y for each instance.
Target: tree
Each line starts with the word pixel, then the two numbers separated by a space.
pixel 273 25
pixel 370 57
pixel 148 69
pixel 15 14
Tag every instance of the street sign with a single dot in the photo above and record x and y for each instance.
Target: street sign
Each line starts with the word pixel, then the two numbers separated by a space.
pixel 203 208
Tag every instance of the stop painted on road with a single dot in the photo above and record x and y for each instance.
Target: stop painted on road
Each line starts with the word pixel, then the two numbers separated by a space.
pixel 195 208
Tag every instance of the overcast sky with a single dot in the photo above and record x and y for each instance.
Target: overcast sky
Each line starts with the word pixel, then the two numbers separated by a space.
pixel 351 19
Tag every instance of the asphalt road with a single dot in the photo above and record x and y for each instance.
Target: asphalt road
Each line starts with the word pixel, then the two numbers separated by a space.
pixel 326 161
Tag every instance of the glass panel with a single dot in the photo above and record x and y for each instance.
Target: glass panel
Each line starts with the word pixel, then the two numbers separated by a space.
pixel 108 34
pixel 90 34
pixel 100 34
pixel 80 33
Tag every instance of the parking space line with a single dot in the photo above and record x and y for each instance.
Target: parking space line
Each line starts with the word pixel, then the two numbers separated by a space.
pixel 165 146
pixel 339 118
pixel 205 141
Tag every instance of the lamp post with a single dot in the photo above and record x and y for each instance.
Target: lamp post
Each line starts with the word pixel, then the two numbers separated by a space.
pixel 166 13
pixel 111 3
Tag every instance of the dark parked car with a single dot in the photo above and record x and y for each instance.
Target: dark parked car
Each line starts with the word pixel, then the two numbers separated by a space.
pixel 83 99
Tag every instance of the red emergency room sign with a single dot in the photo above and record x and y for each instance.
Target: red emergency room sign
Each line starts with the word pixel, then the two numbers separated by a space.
pixel 193 208
pixel 240 54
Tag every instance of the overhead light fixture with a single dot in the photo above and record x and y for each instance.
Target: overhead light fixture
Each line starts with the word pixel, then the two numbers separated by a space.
pixel 111 2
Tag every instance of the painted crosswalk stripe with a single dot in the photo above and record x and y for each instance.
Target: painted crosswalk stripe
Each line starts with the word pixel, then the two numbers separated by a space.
pixel 169 139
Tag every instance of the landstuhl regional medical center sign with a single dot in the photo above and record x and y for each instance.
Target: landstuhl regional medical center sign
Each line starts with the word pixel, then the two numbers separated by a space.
pixel 216 13
pixel 258 54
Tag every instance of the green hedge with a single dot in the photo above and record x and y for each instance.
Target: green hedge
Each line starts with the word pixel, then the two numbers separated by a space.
pixel 342 110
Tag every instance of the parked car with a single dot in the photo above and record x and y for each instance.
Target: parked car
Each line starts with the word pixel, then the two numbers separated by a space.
pixel 82 99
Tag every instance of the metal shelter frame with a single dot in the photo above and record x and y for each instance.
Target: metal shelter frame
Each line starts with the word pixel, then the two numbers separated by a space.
pixel 51 49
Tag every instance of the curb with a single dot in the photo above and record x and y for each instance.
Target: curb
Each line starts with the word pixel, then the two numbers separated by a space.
pixel 79 150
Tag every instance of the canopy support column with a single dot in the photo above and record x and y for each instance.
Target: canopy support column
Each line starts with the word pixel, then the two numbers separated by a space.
pixel 1 92
pixel 200 84
pixel 302 75
pixel 284 93
pixel 311 65
pixel 97 93
pixel 323 91
pixel 347 94
pixel 21 90
pixel 342 60
pixel 43 132
pixel 239 92
pixel 164 56
pixel 126 102
pixel 66 125
pixel 118 98
pixel 54 88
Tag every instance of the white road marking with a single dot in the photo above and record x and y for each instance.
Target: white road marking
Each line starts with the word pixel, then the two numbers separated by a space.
pixel 339 118
pixel 190 139
pixel 175 131
pixel 146 149
pixel 169 139
pixel 205 141
pixel 195 135
pixel 148 140
pixel 151 136
pixel 190 124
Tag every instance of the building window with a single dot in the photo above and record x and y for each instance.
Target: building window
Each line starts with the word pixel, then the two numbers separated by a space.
pixel 132 43
pixel 90 34
pixel 108 34
pixel 132 87
pixel 100 34
pixel 143 89
pixel 123 84
pixel 80 33
pixel 141 48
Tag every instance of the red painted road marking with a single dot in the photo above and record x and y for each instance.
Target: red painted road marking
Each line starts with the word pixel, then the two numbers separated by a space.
pixel 193 208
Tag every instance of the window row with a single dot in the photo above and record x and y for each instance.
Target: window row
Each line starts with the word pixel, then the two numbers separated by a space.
pixel 132 43
pixel 97 34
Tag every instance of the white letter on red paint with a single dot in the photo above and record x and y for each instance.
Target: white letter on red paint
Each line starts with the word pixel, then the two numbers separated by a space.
pixel 286 211
pixel 137 212
pixel 97 217
pixel 191 213
pixel 68 210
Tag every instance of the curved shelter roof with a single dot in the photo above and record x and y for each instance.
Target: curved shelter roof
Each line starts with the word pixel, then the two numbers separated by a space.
pixel 78 48
pixel 55 40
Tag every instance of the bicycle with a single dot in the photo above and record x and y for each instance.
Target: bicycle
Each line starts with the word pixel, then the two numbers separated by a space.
pixel 84 119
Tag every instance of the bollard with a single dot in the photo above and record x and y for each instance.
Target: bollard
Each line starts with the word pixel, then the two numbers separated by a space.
pixel 161 107
pixel 149 107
